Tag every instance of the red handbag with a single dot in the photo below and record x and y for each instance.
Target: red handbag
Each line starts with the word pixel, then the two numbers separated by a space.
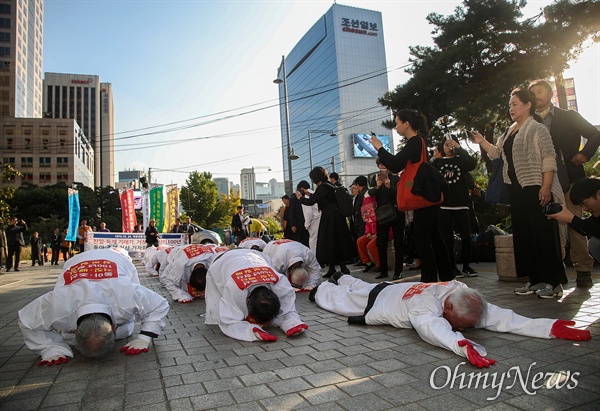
pixel 405 198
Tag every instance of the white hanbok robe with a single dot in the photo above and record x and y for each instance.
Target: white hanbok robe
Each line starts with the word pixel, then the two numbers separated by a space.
pixel 97 281
pixel 312 219
pixel 177 277
pixel 230 280
pixel 286 252
pixel 150 259
pixel 248 243
pixel 421 306
pixel 165 258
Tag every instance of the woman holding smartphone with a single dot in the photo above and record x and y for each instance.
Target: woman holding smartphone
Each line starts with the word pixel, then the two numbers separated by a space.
pixel 412 125
pixel 530 173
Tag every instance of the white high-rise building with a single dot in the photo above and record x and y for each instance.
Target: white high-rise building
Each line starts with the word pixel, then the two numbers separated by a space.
pixel 21 51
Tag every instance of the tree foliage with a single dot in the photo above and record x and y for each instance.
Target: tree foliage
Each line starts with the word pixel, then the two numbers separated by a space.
pixel 7 173
pixel 486 49
pixel 199 197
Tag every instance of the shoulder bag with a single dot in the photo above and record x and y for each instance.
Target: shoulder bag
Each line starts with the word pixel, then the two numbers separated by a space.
pixel 420 184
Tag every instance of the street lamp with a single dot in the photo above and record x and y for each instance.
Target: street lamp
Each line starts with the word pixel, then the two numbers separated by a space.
pixel 331 133
pixel 290 152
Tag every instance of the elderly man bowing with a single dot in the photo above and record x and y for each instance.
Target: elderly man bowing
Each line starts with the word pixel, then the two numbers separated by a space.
pixel 295 260
pixel 244 294
pixel 97 297
pixel 437 311
pixel 185 277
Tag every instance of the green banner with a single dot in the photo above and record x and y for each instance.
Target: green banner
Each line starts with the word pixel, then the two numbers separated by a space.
pixel 156 206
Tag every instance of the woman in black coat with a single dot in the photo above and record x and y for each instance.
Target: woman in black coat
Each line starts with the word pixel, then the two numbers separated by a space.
pixel 334 245
pixel 431 248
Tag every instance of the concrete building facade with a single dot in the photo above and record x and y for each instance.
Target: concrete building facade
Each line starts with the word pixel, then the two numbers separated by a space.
pixel 88 101
pixel 46 151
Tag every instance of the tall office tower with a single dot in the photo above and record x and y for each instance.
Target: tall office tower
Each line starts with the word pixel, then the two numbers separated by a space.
pixel 222 185
pixel 334 76
pixel 21 46
pixel 83 98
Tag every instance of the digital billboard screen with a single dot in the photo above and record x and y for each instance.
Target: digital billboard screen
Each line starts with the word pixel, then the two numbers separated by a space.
pixel 363 147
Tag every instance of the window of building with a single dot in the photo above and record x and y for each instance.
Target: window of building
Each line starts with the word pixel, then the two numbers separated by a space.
pixel 62 161
pixel 62 142
pixel 26 162
pixel 45 161
pixel 4 80
pixel 45 178
pixel 62 176
pixel 5 37
pixel 27 177
pixel 27 144
pixel 44 144
pixel 5 9
pixel 4 51
pixel 45 132
pixel 62 132
pixel 27 131
pixel 4 23
pixel 9 160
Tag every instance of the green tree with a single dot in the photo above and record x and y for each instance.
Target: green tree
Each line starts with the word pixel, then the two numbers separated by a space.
pixel 109 204
pixel 482 52
pixel 7 173
pixel 199 197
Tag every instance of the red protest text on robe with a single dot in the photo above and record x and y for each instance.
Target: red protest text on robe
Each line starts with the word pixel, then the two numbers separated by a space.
pixel 419 288
pixel 195 250
pixel 91 270
pixel 194 292
pixel 283 241
pixel 254 275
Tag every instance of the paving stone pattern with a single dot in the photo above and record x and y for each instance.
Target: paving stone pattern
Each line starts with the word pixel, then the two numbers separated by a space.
pixel 333 366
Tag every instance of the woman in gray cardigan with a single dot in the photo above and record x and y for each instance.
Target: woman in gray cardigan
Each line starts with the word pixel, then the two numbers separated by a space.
pixel 530 172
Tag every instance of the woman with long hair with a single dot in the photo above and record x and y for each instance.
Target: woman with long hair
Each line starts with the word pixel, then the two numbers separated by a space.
pixel 412 125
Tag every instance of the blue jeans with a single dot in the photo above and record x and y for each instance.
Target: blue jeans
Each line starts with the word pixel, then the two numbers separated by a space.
pixel 594 248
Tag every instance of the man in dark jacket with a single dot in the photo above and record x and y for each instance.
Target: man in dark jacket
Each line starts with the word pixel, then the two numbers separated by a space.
pixel 359 225
pixel 14 242
pixel 55 246
pixel 239 224
pixel 36 249
pixel 567 127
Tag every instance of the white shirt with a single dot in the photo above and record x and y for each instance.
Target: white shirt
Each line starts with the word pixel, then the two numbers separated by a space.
pixel 229 281
pixel 286 252
pixel 421 306
pixel 177 277
pixel 97 281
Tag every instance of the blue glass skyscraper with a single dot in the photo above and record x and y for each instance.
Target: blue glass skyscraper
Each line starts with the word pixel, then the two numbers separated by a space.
pixel 335 75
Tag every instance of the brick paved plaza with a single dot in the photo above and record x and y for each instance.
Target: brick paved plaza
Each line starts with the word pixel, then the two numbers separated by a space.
pixel 333 366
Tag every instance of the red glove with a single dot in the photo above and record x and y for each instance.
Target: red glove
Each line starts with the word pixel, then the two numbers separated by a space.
pixel 58 360
pixel 474 357
pixel 561 329
pixel 296 330
pixel 260 334
pixel 186 300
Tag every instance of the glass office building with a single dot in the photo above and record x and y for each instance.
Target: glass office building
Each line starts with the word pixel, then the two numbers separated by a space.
pixel 335 75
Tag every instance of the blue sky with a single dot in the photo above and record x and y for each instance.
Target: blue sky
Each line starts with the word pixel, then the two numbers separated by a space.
pixel 189 63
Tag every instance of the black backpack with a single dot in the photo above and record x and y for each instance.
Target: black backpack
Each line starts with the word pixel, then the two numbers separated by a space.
pixel 343 199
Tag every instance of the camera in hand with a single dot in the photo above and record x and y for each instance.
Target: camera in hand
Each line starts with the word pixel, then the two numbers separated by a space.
pixel 552 208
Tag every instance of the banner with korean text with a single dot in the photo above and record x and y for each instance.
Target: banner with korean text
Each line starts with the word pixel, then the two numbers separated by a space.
pixel 172 207
pixel 156 206
pixel 73 215
pixel 127 210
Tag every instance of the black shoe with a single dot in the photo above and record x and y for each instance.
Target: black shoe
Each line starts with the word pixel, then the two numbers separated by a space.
pixel 378 270
pixel 311 295
pixel 8 269
pixel 469 272
pixel 335 277
pixel 344 269
pixel 328 274
pixel 16 269
pixel 457 273
pixel 368 267
pixel 381 276
pixel 584 279
pixel 397 277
